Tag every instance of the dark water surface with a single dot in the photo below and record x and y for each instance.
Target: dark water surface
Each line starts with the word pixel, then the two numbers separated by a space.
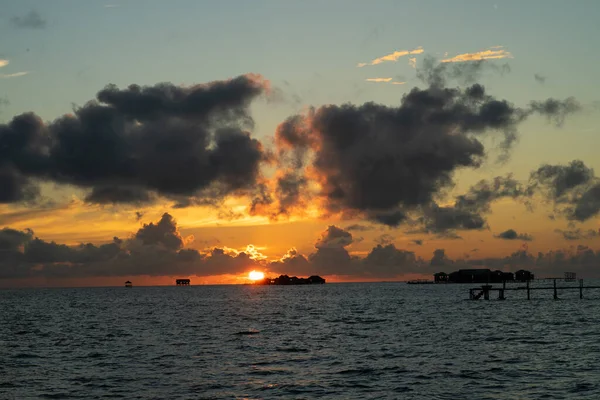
pixel 346 341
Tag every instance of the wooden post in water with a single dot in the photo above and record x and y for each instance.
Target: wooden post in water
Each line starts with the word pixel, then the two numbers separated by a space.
pixel 528 295
pixel 555 292
pixel 486 291
pixel 581 288
pixel 501 291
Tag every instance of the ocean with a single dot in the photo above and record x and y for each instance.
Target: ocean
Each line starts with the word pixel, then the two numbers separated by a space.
pixel 332 341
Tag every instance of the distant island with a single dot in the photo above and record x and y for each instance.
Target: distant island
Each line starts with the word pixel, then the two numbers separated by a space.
pixel 291 280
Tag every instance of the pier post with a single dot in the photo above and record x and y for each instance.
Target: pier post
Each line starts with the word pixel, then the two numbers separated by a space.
pixel 486 291
pixel 501 291
pixel 555 292
pixel 471 295
pixel 581 288
pixel 528 293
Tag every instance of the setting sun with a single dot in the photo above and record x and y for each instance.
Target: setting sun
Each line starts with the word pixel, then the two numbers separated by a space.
pixel 256 275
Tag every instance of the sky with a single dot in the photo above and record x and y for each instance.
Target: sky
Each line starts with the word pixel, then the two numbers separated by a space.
pixel 146 140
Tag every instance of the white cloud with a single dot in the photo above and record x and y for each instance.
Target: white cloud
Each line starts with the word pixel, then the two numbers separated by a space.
pixel 412 62
pixel 14 75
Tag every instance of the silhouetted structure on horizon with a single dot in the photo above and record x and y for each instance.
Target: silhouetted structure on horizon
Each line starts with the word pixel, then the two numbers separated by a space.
pixel 482 276
pixel 182 282
pixel 523 276
pixel 293 280
pixel 128 284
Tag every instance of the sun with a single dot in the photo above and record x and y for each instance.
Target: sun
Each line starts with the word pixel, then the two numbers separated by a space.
pixel 256 275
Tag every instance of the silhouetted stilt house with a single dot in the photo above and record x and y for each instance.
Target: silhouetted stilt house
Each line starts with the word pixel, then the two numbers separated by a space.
pixel 182 282
pixel 128 284
pixel 523 276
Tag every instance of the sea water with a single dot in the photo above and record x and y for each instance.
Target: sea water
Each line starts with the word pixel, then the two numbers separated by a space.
pixel 333 341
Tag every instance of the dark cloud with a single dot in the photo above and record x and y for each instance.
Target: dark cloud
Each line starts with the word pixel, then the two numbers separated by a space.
pixel 418 242
pixel 384 239
pixel 31 20
pixel 334 237
pixel 15 188
pixel 511 234
pixel 440 259
pixel 293 261
pixel 384 163
pixel 578 234
pixel 539 78
pixel 442 219
pixel 189 144
pixel 13 240
pixel 559 180
pixel 358 228
pixel 587 205
pixel 331 255
pixel 118 194
pixel 469 209
pixel 573 188
pixel 139 215
pixel 385 260
pixel 164 233
pixel 438 74
pixel 555 110
pixel 288 191
pixel 480 196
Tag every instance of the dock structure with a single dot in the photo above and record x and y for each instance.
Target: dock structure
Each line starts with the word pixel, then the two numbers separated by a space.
pixel 182 282
pixel 485 290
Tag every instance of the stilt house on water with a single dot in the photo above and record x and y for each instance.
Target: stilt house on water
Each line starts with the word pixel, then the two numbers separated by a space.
pixel 482 276
pixel 128 284
pixel 182 282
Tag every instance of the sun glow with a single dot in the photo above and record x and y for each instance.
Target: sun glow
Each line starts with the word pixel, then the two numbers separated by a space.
pixel 256 275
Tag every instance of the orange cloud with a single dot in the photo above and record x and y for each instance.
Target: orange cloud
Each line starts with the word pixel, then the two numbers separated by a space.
pixel 3 63
pixel 385 80
pixel 378 79
pixel 392 57
pixel 481 55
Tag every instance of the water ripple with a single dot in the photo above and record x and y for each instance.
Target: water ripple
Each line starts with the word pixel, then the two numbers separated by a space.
pixel 346 341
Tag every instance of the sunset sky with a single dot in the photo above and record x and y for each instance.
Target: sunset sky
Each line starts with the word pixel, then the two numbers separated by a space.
pixel 360 141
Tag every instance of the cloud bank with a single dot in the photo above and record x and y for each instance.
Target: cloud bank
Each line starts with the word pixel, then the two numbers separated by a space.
pixel 158 249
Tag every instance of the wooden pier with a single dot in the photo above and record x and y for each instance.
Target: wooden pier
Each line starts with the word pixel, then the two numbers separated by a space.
pixel 485 290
